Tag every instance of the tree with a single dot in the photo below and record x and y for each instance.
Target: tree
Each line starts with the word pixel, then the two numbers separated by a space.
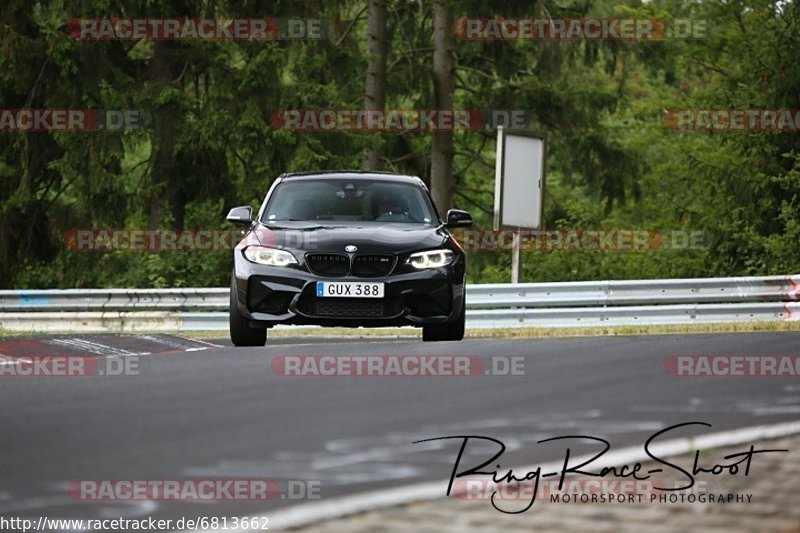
pixel 375 86
pixel 443 86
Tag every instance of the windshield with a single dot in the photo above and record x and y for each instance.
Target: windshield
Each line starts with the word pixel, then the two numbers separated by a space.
pixel 334 201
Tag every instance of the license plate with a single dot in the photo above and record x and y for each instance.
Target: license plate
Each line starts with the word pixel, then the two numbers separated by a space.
pixel 349 289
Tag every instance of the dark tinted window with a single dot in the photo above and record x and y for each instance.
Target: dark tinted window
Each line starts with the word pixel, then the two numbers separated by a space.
pixel 359 200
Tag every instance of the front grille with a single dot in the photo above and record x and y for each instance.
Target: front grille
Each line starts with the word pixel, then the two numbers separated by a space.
pixel 371 266
pixel 328 264
pixel 363 266
pixel 348 307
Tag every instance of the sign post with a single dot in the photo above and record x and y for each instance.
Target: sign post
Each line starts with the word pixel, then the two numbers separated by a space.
pixel 518 188
pixel 516 257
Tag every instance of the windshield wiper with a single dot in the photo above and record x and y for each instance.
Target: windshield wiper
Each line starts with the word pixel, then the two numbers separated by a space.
pixel 299 228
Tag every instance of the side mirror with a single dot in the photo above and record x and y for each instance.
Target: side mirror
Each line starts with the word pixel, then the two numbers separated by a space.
pixel 458 219
pixel 240 215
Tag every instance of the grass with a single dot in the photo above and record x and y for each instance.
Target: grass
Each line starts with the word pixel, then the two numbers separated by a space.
pixel 525 332
pixel 501 333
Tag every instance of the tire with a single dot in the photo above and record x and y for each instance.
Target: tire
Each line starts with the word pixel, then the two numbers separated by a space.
pixel 242 334
pixel 446 332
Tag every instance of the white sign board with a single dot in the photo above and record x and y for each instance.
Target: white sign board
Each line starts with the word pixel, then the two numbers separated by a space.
pixel 519 180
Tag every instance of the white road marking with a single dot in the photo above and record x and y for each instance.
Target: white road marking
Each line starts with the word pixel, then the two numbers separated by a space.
pixel 106 351
pixel 91 347
pixel 174 341
pixel 203 342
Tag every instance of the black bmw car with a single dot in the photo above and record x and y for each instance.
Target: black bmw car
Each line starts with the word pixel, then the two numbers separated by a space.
pixel 353 249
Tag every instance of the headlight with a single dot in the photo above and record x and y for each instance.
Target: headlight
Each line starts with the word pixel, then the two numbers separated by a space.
pixel 430 259
pixel 269 256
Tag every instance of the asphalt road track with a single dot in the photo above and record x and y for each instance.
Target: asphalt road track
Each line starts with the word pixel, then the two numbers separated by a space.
pixel 220 412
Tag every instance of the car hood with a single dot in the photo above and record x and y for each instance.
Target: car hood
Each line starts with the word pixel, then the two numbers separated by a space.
pixel 368 239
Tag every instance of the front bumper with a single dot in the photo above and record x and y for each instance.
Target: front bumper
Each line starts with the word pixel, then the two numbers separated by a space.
pixel 276 295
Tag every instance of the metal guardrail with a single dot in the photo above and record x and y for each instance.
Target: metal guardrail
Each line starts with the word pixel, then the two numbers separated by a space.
pixel 74 300
pixel 636 292
pixel 589 303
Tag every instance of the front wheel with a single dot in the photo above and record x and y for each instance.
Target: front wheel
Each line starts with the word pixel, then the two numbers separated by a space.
pixel 242 334
pixel 446 332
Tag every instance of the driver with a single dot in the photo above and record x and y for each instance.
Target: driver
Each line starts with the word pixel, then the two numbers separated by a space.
pixel 384 206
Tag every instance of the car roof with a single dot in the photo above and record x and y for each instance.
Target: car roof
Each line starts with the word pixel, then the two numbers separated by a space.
pixel 350 174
